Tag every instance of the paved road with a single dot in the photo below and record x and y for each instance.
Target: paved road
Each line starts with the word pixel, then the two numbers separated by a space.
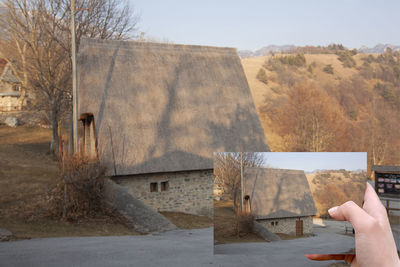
pixel 174 248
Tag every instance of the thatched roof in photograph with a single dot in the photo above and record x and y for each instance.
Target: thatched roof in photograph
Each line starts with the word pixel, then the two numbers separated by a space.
pixel 166 107
pixel 278 193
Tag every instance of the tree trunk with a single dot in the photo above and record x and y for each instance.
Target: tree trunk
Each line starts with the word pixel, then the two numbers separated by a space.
pixel 54 129
pixel 21 99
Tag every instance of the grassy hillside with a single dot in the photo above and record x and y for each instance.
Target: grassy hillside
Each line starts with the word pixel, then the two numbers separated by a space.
pixel 329 102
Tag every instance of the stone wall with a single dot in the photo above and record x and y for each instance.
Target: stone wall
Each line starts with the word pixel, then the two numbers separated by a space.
pixel 9 103
pixel 188 191
pixel 287 225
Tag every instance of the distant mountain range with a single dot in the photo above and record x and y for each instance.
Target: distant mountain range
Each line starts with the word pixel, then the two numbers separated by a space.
pixel 325 170
pixel 379 48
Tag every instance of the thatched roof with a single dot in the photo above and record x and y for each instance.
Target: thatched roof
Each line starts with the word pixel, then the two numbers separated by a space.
pixel 278 193
pixel 166 107
pixel 6 74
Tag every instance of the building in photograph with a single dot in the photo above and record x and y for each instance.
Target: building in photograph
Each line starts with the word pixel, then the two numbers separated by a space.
pixel 155 113
pixel 280 200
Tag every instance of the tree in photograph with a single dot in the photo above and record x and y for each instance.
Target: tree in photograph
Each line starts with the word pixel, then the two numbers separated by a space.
pixel 36 40
pixel 262 76
pixel 227 171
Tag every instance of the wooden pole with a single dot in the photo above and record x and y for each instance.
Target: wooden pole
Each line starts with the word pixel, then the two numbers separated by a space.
pixel 74 81
pixel 241 181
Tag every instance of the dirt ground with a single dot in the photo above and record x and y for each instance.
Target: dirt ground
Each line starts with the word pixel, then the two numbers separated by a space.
pixel 225 225
pixel 28 172
pixel 188 221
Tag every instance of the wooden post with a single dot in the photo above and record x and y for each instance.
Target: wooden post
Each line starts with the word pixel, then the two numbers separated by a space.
pixel 74 81
pixel 241 181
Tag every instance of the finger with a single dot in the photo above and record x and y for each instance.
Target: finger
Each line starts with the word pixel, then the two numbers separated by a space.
pixel 349 258
pixel 350 212
pixel 325 257
pixel 372 204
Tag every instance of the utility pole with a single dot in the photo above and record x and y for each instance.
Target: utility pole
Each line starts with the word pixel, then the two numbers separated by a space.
pixel 74 81
pixel 241 181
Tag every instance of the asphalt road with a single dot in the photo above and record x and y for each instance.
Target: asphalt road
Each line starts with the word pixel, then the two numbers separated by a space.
pixel 175 248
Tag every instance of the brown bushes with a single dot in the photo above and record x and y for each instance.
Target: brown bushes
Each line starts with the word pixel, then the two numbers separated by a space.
pixel 244 223
pixel 80 193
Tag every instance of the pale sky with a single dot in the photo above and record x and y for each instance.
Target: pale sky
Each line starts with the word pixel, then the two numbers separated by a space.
pixel 252 24
pixel 310 161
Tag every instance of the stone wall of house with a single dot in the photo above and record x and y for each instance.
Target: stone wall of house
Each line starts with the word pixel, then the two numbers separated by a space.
pixel 9 103
pixel 188 191
pixel 287 225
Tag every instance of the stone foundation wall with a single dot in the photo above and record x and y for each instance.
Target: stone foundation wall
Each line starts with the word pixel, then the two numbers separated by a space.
pixel 10 103
pixel 189 191
pixel 287 225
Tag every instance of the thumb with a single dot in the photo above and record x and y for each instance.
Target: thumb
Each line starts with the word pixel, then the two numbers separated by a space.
pixel 350 212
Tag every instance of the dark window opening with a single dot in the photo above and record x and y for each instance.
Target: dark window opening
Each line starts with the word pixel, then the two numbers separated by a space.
pixel 87 133
pixel 164 186
pixel 272 223
pixel 276 223
pixel 153 187
pixel 247 197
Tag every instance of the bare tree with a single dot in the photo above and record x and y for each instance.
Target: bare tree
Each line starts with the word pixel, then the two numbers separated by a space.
pixel 37 43
pixel 227 170
pixel 309 120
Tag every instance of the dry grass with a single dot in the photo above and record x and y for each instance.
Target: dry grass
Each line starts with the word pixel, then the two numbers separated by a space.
pixel 27 173
pixel 225 225
pixel 188 221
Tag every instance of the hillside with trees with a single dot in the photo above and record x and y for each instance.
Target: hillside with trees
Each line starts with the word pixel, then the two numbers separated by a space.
pixel 332 187
pixel 329 99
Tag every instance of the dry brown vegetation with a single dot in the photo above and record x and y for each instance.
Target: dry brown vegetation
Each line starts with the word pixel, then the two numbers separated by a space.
pixel 303 108
pixel 227 172
pixel 188 221
pixel 332 188
pixel 27 173
pixel 228 229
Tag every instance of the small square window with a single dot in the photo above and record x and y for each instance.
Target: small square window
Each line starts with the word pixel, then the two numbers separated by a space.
pixel 153 187
pixel 272 223
pixel 164 186
pixel 276 223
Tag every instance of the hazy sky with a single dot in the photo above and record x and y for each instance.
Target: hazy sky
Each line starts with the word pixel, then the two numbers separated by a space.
pixel 252 24
pixel 309 161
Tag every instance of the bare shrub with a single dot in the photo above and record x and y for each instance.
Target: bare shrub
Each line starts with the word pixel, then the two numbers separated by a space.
pixel 244 223
pixel 79 194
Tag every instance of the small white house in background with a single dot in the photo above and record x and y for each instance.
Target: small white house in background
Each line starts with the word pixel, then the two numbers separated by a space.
pixel 280 200
pixel 10 89
pixel 155 113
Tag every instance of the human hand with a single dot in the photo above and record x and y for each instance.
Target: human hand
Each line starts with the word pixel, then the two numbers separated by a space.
pixel 375 245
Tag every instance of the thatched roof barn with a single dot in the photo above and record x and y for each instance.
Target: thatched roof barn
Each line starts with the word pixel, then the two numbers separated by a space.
pixel 278 193
pixel 165 107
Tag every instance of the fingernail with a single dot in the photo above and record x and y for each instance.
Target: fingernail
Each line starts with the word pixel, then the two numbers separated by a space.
pixel 332 210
